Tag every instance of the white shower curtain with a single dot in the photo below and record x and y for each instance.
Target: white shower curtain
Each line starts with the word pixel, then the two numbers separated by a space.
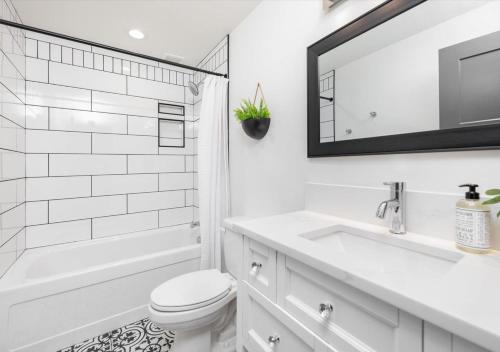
pixel 213 169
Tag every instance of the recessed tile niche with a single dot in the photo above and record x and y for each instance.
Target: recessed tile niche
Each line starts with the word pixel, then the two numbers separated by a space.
pixel 171 125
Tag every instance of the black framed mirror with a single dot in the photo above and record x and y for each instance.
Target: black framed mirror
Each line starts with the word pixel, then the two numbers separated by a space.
pixel 408 76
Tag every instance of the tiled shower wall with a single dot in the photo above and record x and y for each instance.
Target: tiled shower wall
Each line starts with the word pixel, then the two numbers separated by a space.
pixel 94 167
pixel 217 60
pixel 12 139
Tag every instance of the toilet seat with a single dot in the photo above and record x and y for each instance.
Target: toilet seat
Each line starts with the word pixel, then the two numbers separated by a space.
pixel 191 291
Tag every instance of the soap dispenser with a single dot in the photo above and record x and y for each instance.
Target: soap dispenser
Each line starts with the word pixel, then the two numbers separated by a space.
pixel 472 223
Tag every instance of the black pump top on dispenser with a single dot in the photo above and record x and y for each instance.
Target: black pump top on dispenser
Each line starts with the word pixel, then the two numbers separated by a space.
pixel 471 194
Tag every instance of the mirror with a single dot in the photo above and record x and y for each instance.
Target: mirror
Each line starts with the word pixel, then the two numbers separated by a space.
pixel 402 75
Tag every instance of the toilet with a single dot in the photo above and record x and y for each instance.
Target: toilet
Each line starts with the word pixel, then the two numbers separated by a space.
pixel 200 306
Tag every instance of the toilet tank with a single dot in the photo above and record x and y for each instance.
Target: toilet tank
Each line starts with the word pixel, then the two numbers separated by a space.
pixel 232 252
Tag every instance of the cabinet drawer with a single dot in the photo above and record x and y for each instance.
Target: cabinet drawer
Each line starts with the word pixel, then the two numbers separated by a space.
pixel 352 321
pixel 265 322
pixel 260 268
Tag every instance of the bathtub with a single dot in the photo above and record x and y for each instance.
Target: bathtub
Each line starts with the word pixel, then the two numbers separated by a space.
pixel 53 297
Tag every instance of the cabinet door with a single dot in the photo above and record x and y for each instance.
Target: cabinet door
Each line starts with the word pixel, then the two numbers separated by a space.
pixel 346 318
pixel 267 328
pixel 260 268
pixel 439 340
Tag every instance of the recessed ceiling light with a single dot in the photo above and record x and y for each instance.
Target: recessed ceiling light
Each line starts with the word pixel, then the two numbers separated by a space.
pixel 136 34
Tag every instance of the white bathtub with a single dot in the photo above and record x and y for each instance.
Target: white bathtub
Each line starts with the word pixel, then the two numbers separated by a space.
pixel 53 297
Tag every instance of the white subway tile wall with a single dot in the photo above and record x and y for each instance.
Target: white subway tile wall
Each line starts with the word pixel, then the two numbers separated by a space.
pixel 13 137
pixel 94 164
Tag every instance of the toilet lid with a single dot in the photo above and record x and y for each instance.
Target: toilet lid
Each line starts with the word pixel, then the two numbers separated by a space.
pixel 190 291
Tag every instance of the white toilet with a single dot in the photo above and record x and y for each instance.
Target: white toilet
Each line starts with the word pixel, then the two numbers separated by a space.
pixel 200 306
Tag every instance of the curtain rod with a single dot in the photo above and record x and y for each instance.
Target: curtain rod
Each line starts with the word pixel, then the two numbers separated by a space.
pixel 107 47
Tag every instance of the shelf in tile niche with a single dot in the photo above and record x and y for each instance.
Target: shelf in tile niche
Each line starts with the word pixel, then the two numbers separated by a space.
pixel 141 336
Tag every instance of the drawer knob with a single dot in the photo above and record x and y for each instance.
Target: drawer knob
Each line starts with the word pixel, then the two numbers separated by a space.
pixel 255 268
pixel 273 340
pixel 325 309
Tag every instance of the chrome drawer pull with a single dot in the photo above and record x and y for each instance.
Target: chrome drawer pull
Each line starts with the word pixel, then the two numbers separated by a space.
pixel 325 309
pixel 273 340
pixel 255 268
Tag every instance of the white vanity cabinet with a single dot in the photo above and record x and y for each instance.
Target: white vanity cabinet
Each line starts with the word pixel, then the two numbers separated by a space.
pixel 439 340
pixel 285 305
pixel 348 319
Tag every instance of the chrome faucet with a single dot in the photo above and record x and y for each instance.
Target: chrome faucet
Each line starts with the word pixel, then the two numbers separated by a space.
pixel 397 204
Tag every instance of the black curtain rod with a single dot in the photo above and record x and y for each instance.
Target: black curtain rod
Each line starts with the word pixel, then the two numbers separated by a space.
pixel 107 47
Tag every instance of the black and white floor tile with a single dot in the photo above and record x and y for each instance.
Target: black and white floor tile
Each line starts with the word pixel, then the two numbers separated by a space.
pixel 141 336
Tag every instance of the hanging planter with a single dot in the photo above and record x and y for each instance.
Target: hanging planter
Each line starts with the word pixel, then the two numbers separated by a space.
pixel 256 128
pixel 255 119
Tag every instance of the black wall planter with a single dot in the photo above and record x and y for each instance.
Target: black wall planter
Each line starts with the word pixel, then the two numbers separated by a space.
pixel 256 128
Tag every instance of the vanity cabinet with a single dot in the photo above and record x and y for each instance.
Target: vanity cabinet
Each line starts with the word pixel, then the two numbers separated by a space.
pixel 439 340
pixel 348 319
pixel 285 305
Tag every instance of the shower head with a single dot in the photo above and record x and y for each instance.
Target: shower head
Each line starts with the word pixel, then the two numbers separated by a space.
pixel 193 87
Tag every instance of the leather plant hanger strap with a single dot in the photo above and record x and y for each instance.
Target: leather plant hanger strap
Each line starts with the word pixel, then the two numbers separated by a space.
pixel 259 87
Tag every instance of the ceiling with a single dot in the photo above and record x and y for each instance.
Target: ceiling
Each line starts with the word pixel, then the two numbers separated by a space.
pixel 185 28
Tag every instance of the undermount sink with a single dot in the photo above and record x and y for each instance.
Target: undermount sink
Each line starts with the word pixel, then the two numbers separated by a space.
pixel 384 254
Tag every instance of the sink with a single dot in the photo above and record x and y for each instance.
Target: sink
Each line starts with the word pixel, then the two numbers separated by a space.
pixel 380 254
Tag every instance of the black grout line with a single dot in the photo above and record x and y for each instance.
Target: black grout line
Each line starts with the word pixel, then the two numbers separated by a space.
pixel 104 195
pixel 104 174
pixel 111 215
pixel 18 151
pixel 15 123
pixel 101 91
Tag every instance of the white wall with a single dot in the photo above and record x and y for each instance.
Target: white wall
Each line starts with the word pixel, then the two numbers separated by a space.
pixel 12 139
pixel 269 176
pixel 269 46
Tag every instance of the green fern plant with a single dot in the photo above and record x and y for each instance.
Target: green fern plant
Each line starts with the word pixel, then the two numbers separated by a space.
pixel 495 193
pixel 249 110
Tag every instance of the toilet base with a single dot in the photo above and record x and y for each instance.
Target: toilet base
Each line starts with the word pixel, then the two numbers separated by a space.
pixel 193 340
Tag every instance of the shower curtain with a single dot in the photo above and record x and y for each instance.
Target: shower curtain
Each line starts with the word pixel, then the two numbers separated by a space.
pixel 213 169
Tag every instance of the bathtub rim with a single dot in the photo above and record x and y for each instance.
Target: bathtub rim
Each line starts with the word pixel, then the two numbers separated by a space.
pixel 11 280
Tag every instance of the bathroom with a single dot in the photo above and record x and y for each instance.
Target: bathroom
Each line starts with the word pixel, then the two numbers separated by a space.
pixel 144 207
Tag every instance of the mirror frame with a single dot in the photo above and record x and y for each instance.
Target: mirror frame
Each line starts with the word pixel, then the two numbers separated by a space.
pixel 453 139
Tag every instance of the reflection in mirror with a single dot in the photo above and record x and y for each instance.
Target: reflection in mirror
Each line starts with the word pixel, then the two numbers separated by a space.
pixel 436 66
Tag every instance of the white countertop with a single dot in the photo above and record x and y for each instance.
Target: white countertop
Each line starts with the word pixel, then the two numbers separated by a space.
pixel 465 300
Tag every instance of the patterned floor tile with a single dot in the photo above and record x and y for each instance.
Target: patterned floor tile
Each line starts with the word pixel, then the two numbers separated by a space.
pixel 141 336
